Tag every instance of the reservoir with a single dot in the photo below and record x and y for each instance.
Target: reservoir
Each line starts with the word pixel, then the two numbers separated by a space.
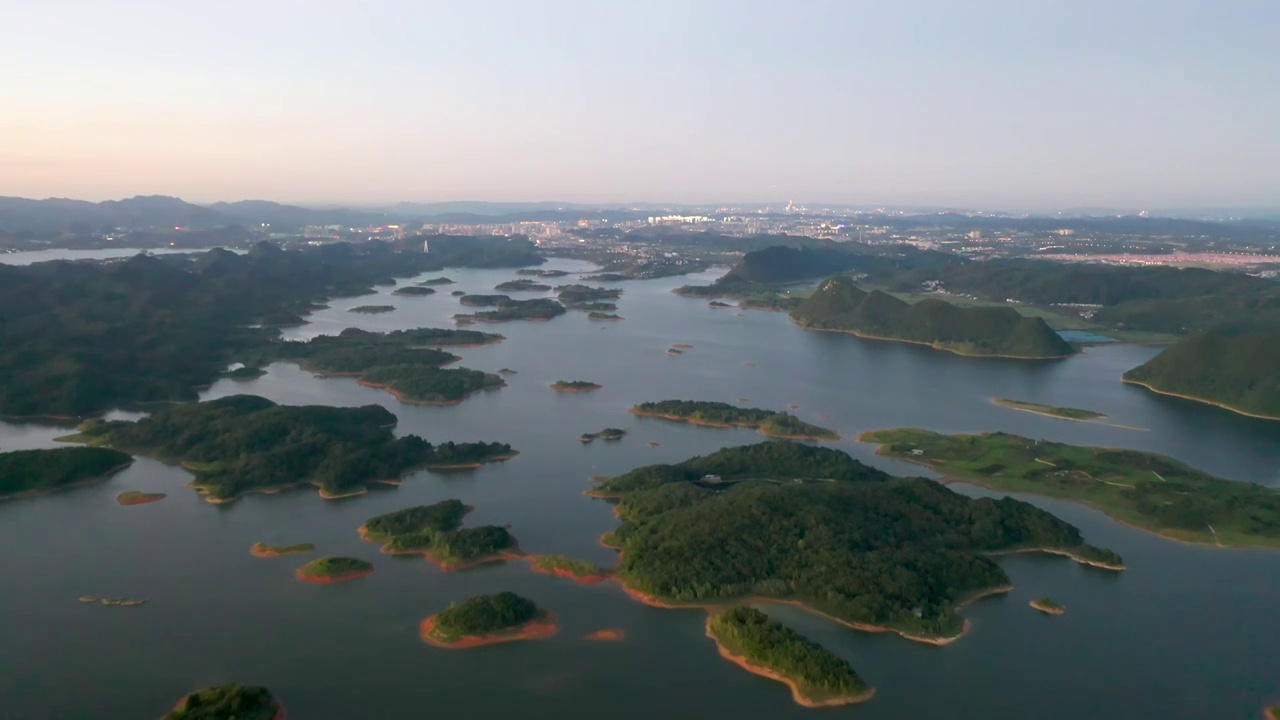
pixel 1187 633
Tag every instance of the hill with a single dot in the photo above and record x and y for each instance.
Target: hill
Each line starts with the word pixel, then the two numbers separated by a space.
pixel 1237 367
pixel 840 305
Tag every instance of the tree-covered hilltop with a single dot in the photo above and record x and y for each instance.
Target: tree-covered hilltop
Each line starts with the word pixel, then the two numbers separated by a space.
pixel 1149 491
pixel 609 433
pixel 417 290
pixel 435 531
pixel 484 300
pixel 334 568
pixel 840 305
pixel 774 460
pixel 523 285
pixel 1237 367
pixel 574 385
pixel 817 676
pixel 485 614
pixel 79 338
pixel 436 281
pixel 244 443
pixel 535 309
pixel 38 471
pixel 575 294
pixel 426 384
pixel 865 548
pixel 570 567
pixel 372 309
pixel 227 702
pixel 768 422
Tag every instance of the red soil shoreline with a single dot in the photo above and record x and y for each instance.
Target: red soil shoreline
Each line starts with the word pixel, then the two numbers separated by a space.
pixel 607 635
pixel 1047 609
pixel 261 550
pixel 559 572
pixel 799 697
pixel 280 714
pixel 331 579
pixel 140 499
pixel 535 629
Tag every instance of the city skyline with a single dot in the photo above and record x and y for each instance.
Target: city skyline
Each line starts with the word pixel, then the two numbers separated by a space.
pixel 991 106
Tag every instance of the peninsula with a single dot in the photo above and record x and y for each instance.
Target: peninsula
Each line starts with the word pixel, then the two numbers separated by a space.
pixel 719 414
pixel 327 570
pixel 593 315
pixel 136 497
pixel 610 433
pixel 1145 490
pixel 262 550
pixel 840 306
pixel 372 309
pixel 1233 367
pixel 339 450
pixel 228 702
pixel 488 620
pixel 1062 413
pixel 24 473
pixel 435 532
pixel 574 386
pixel 809 525
pixel 1048 606
pixel 816 676
pixel 565 566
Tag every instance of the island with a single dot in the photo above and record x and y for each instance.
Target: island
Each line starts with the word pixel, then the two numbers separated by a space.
pixel 607 635
pixel 573 294
pixel 574 386
pixel 567 567
pixel 593 315
pixel 1273 712
pixel 674 351
pixel 1232 366
pixel 1148 491
pixel 372 309
pixel 244 372
pixel 592 306
pixel 262 550
pixel 228 702
pixel 484 300
pixel 523 285
pixel 716 304
pixel 840 306
pixel 809 525
pixel 413 290
pixel 507 310
pixel 435 532
pixel 113 602
pixel 332 569
pixel 1062 413
pixel 427 385
pixel 25 473
pixel 538 272
pixel 136 497
pixel 339 450
pixel 506 371
pixel 610 433
pixel 488 620
pixel 436 281
pixel 723 415
pixel 763 646
pixel 458 293
pixel 1048 606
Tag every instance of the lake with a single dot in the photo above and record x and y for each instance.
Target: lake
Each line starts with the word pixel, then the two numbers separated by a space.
pixel 1188 632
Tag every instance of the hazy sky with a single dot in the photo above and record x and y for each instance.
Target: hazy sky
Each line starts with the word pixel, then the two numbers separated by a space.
pixel 995 103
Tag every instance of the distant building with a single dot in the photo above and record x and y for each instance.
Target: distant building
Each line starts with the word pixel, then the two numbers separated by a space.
pixel 426 246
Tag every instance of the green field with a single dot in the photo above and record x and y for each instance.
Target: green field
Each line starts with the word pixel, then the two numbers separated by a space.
pixel 1065 413
pixel 1148 491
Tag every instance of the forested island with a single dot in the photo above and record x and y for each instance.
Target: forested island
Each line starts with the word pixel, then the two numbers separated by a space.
pixel 577 294
pixel 435 532
pixel 436 281
pixel 1048 606
pixel 1236 367
pixel 484 300
pixel 593 315
pixel 25 473
pixel 816 676
pixel 414 290
pixel 372 309
pixel 574 386
pixel 811 525
pixel 1062 413
pixel 565 566
pixel 426 385
pixel 79 338
pixel 839 305
pixel 328 570
pixel 594 306
pixel 243 443
pixel 136 497
pixel 1145 490
pixel 524 285
pixel 228 702
pixel 262 550
pixel 507 309
pixel 539 272
pixel 719 414
pixel 610 433
pixel 487 620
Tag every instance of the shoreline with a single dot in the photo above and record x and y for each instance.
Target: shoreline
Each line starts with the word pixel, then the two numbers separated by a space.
pixel 1203 401
pixel 653 601
pixel 330 579
pixel 607 635
pixel 797 694
pixel 1062 552
pixel 935 346
pixel 1047 609
pixel 412 401
pixel 95 480
pixel 758 428
pixel 280 712
pixel 262 550
pixel 1016 405
pixel 140 498
pixel 561 572
pixel 535 629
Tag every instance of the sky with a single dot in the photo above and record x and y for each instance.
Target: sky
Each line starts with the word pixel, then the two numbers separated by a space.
pixel 996 104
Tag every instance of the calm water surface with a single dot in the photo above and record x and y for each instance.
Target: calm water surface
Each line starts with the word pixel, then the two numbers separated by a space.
pixel 1188 632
